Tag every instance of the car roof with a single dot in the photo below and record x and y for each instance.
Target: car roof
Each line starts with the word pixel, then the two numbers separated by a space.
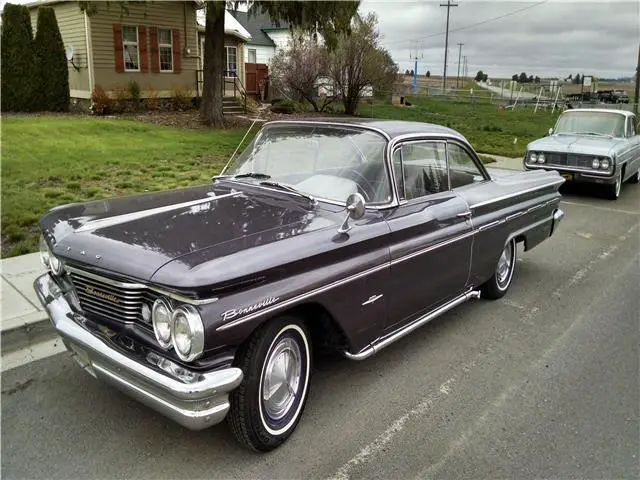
pixel 626 113
pixel 390 128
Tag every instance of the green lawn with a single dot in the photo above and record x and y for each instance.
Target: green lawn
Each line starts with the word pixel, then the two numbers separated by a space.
pixel 489 130
pixel 48 161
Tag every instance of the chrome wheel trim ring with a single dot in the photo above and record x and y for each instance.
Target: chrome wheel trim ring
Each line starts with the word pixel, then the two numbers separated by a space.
pixel 504 270
pixel 281 397
pixel 618 184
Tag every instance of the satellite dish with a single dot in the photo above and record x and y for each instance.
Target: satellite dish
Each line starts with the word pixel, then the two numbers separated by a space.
pixel 69 51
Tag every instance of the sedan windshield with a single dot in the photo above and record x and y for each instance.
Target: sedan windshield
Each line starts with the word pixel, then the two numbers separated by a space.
pixel 327 162
pixel 591 123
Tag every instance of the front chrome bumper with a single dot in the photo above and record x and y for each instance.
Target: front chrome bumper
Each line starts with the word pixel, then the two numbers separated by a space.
pixel 195 404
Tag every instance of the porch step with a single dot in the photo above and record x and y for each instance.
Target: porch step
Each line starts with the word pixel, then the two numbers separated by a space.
pixel 231 106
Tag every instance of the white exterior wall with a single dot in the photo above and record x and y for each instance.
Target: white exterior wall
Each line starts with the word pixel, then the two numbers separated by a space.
pixel 264 53
pixel 280 37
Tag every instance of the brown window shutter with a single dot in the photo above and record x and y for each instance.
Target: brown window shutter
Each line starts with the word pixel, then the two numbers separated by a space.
pixel 153 51
pixel 177 56
pixel 142 45
pixel 117 47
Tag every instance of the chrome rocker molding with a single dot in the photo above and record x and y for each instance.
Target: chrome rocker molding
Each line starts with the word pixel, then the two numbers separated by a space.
pixel 195 404
pixel 382 342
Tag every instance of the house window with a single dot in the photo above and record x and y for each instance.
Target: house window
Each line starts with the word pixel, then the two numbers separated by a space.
pixel 130 49
pixel 251 55
pixel 165 49
pixel 232 59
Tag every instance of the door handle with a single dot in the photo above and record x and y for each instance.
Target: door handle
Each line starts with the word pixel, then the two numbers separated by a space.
pixel 464 214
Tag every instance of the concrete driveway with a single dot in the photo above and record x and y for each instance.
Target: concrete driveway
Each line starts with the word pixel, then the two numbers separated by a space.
pixel 543 383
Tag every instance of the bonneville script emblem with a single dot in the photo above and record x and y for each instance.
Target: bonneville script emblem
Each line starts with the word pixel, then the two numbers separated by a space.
pixel 238 312
pixel 105 296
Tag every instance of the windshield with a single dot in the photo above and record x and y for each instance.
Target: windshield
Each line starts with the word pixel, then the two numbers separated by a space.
pixel 329 162
pixel 595 123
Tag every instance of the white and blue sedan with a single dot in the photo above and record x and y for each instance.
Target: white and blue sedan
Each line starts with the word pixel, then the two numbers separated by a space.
pixel 590 145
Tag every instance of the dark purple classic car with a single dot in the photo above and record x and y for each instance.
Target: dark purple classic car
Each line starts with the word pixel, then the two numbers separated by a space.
pixel 206 302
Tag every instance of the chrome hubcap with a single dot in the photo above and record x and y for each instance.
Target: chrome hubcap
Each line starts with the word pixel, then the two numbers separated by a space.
pixel 504 264
pixel 281 379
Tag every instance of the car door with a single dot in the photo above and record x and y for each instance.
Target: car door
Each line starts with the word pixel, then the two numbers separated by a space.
pixel 431 235
pixel 632 152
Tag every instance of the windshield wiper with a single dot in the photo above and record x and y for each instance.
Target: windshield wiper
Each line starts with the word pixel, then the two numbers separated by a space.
pixel 287 188
pixel 257 175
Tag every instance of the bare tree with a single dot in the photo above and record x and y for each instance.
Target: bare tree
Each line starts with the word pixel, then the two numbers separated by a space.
pixel 358 63
pixel 300 70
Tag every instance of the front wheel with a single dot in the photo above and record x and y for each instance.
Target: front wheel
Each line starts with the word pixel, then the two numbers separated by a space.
pixel 613 190
pixel 499 283
pixel 276 363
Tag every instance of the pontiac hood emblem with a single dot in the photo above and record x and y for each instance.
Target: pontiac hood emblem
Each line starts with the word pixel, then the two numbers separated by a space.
pixel 239 312
pixel 105 296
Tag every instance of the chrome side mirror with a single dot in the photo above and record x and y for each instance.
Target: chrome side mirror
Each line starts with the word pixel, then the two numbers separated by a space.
pixel 550 131
pixel 355 210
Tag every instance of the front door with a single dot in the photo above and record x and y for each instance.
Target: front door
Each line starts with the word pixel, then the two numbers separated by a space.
pixel 431 234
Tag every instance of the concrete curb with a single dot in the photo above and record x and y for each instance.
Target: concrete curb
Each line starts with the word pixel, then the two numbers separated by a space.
pixel 28 334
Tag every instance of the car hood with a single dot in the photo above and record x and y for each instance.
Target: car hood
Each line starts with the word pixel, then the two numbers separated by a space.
pixel 580 144
pixel 136 236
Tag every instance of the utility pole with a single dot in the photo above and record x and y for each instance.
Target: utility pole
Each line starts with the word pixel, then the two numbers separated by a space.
pixel 414 57
pixel 449 4
pixel 459 55
pixel 465 69
pixel 637 92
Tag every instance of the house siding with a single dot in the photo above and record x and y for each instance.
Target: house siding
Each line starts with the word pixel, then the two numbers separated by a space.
pixel 264 53
pixel 281 38
pixel 72 29
pixel 171 15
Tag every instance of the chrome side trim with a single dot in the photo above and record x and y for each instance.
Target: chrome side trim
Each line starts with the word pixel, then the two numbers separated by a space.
pixel 383 342
pixel 486 226
pixel 116 283
pixel 515 194
pixel 301 297
pixel 395 261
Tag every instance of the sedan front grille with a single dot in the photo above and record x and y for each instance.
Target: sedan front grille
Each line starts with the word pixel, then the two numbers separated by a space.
pixel 107 298
pixel 569 160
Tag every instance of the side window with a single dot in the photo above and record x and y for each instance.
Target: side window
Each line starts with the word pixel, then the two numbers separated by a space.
pixel 397 171
pixel 462 168
pixel 424 169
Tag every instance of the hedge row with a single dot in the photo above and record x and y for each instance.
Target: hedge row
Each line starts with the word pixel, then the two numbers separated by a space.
pixel 35 76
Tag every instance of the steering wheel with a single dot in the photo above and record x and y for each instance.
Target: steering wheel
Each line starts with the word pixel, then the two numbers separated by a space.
pixel 368 192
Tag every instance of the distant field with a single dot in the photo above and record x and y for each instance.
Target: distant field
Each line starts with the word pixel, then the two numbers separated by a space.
pixel 489 130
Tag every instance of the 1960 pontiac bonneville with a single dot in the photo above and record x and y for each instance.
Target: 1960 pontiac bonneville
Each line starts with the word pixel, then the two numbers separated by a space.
pixel 589 145
pixel 207 302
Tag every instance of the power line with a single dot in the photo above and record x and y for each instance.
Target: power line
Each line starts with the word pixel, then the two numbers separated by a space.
pixel 472 25
pixel 446 43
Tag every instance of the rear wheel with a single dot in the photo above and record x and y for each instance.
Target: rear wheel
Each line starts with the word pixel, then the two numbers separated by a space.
pixel 276 363
pixel 499 283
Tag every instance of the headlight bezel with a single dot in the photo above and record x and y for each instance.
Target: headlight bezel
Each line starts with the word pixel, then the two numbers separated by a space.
pixel 196 332
pixel 605 163
pixel 56 265
pixel 45 252
pixel 541 158
pixel 595 163
pixel 162 302
pixel 533 157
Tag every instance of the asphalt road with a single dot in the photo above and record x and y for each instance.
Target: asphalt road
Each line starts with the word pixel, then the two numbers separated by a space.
pixel 543 383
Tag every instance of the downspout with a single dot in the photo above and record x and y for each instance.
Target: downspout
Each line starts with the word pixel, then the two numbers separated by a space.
pixel 87 34
pixel 186 35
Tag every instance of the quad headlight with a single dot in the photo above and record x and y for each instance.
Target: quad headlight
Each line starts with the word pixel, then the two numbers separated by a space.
pixel 541 158
pixel 605 163
pixel 49 260
pixel 533 157
pixel 595 163
pixel 187 332
pixel 180 328
pixel 161 319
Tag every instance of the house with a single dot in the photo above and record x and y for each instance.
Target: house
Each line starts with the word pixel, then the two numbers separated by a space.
pixel 111 43
pixel 266 36
pixel 235 36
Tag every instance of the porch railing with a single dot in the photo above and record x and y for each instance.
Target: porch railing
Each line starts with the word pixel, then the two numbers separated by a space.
pixel 229 81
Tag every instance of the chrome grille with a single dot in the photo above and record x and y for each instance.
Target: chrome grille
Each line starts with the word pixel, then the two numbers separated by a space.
pixel 110 299
pixel 568 160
